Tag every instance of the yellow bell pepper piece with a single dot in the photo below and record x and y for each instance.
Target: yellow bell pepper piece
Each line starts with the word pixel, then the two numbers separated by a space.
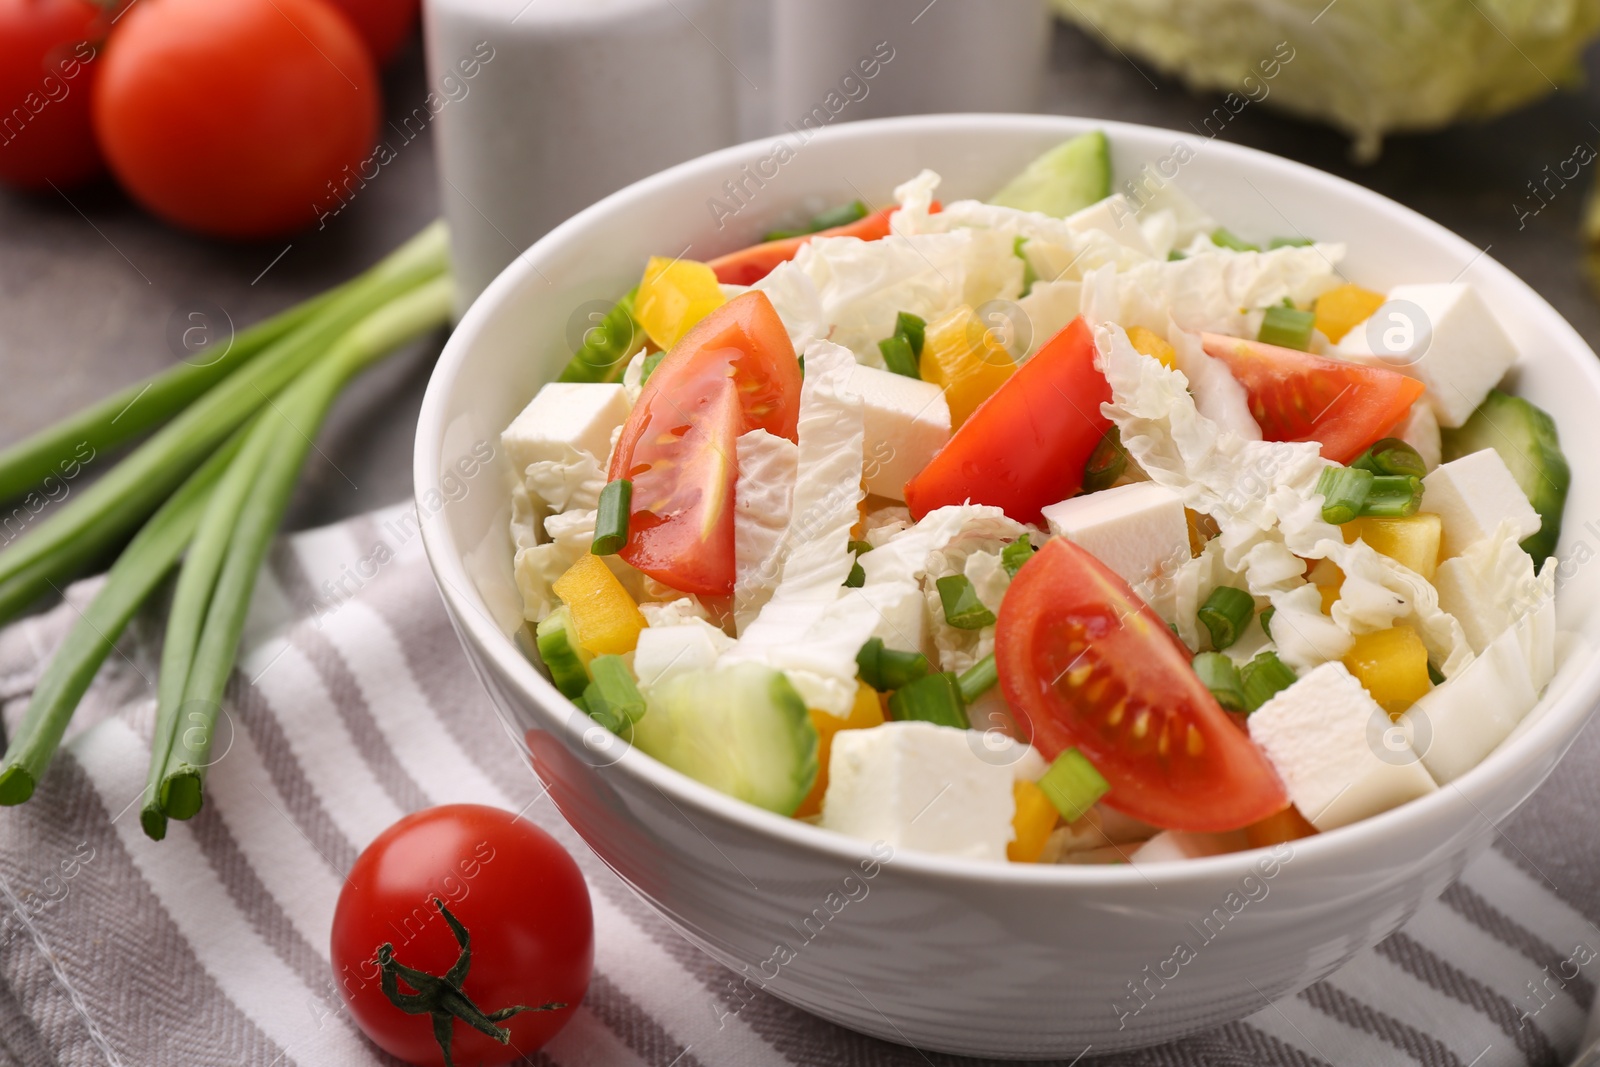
pixel 1412 541
pixel 1153 345
pixel 673 296
pixel 606 618
pixel 1340 309
pixel 1287 825
pixel 1328 579
pixel 1392 665
pixel 1032 823
pixel 866 712
pixel 963 357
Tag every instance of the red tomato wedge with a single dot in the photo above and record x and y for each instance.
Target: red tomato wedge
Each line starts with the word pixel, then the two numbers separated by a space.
pixel 1297 396
pixel 749 265
pixel 1087 664
pixel 733 372
pixel 1026 446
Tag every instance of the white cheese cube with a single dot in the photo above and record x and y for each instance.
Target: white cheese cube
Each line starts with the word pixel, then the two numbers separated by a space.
pixel 565 418
pixel 1473 495
pixel 906 421
pixel 917 785
pixel 1454 726
pixel 1136 529
pixel 1171 845
pixel 1457 349
pixel 666 651
pixel 1336 750
pixel 1115 217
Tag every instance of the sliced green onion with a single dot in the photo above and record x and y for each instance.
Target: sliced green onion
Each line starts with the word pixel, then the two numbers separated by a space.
pixel 611 519
pixel 801 360
pixel 1029 275
pixel 1391 456
pixel 1106 463
pixel 1174 255
pixel 613 698
pixel 1434 675
pixel 1073 785
pixel 648 365
pixel 934 698
pixel 1393 496
pixel 1014 555
pixel 567 660
pixel 1220 676
pixel 962 608
pixel 885 668
pixel 913 328
pixel 898 357
pixel 599 357
pixel 979 678
pixel 1266 620
pixel 783 235
pixel 858 547
pixel 1225 238
pixel 1225 614
pixel 1263 678
pixel 1290 242
pixel 856 578
pixel 1287 328
pixel 843 215
pixel 1344 490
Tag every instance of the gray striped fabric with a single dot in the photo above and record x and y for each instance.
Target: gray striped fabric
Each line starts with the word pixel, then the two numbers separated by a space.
pixel 353 705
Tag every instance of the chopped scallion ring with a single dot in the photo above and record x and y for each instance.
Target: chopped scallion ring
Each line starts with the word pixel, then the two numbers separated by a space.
pixel 1073 785
pixel 611 519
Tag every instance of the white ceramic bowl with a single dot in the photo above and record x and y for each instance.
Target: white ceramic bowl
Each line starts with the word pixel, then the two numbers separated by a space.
pixel 1000 960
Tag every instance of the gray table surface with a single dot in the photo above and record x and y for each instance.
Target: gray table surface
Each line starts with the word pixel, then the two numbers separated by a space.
pixel 87 288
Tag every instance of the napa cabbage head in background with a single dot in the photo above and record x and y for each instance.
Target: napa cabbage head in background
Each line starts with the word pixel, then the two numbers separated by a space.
pixel 1368 67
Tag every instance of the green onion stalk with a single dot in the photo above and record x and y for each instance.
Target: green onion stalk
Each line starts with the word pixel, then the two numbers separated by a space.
pixel 250 503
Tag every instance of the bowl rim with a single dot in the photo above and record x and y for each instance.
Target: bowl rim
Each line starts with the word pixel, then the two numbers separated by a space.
pixel 1581 688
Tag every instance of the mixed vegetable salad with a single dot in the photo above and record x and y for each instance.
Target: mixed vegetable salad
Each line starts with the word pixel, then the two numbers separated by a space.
pixel 1057 528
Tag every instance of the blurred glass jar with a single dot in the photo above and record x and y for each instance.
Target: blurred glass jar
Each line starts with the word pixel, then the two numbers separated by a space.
pixel 837 60
pixel 542 107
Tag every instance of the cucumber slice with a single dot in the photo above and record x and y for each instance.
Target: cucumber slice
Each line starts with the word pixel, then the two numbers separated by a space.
pixel 566 660
pixel 740 729
pixel 1068 178
pixel 1526 439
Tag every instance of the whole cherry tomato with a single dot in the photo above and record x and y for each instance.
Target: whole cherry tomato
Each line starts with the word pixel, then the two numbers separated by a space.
pixel 382 24
pixel 244 118
pixel 47 73
pixel 430 888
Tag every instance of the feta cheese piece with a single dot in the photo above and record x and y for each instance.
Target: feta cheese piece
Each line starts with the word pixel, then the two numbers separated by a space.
pixel 1335 749
pixel 1454 726
pixel 1457 350
pixel 1171 845
pixel 1135 529
pixel 916 785
pixel 762 500
pixel 667 651
pixel 906 421
pixel 564 420
pixel 1116 218
pixel 1474 495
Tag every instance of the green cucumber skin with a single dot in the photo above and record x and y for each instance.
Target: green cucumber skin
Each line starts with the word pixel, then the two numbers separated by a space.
pixel 1527 440
pixel 1068 178
pixel 742 730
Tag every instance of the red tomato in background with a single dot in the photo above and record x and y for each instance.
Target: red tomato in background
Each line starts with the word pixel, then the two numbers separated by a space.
pixel 382 24
pixel 1025 447
pixel 522 901
pixel 47 75
pixel 1087 664
pixel 1297 396
pixel 233 118
pixel 733 372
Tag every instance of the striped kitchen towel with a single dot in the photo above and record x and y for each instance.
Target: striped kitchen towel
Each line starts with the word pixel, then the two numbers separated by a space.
pixel 353 704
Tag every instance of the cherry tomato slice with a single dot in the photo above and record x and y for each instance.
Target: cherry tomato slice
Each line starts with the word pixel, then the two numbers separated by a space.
pixel 1025 447
pixel 735 371
pixel 749 265
pixel 1087 664
pixel 1297 396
